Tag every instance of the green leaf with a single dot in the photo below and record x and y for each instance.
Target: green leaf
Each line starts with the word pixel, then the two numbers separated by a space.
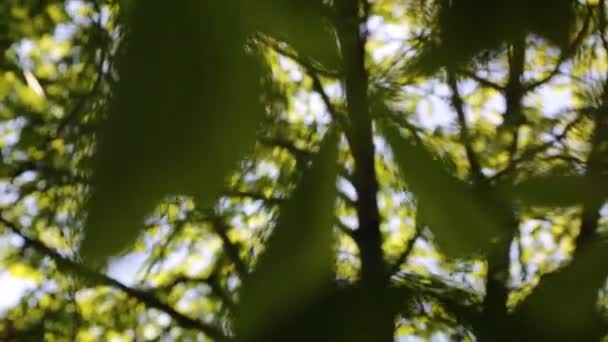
pixel 553 20
pixel 347 313
pixel 458 39
pixel 461 218
pixel 555 191
pixel 301 23
pixel 564 305
pixel 297 266
pixel 185 111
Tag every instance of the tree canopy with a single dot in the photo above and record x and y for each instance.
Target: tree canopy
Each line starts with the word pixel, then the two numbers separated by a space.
pixel 303 170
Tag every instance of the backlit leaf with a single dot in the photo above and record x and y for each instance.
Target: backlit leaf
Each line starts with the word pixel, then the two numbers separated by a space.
pixel 301 23
pixel 460 219
pixel 297 266
pixel 564 304
pixel 554 190
pixel 186 109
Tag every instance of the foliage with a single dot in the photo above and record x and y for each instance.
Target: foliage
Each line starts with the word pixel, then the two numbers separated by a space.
pixel 303 170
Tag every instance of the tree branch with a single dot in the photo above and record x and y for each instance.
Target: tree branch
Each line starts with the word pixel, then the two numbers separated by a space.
pixel 253 195
pixel 232 250
pixel 361 141
pixel 465 135
pixel 530 153
pixel 495 301
pixel 281 48
pixel 407 251
pixel 484 82
pixel 299 154
pixel 563 56
pixel 313 72
pixel 144 297
pixel 335 115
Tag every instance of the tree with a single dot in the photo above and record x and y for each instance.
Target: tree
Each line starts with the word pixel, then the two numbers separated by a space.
pixel 304 170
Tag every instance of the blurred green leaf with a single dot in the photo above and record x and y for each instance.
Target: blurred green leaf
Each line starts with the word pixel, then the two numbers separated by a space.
pixel 457 215
pixel 297 266
pixel 340 314
pixel 185 110
pixel 468 29
pixel 553 191
pixel 564 304
pixel 301 23
pixel 553 20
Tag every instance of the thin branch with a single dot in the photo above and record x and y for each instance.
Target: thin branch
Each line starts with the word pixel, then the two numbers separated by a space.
pixel 162 248
pixel 182 279
pixel 437 288
pixel 402 122
pixel 299 153
pixel 530 153
pixel 314 73
pixel 407 251
pixel 347 230
pixel 521 259
pixel 143 297
pixel 231 249
pixel 318 87
pixel 281 48
pixel 211 281
pixel 465 135
pixel 563 56
pixel 347 199
pixel 483 81
pixel 253 195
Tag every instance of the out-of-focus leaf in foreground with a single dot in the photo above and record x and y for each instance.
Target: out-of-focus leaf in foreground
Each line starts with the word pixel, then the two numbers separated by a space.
pixel 297 266
pixel 183 113
pixel 555 190
pixel 340 314
pixel 301 23
pixel 564 304
pixel 460 220
pixel 468 28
